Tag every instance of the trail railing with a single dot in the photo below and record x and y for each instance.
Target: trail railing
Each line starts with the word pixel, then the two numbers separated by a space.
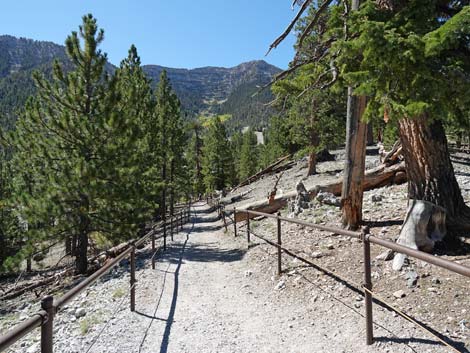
pixel 364 236
pixel 51 306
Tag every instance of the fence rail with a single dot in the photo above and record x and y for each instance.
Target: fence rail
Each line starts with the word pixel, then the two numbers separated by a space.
pixel 51 306
pixel 366 239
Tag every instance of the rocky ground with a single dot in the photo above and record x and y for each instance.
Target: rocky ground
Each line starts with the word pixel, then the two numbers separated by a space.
pixel 210 293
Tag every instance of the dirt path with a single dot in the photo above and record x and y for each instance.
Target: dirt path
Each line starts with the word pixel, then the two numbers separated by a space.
pixel 206 296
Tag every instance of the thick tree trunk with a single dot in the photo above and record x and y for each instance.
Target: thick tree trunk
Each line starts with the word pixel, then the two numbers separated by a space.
pixel 430 172
pixel 312 163
pixel 352 191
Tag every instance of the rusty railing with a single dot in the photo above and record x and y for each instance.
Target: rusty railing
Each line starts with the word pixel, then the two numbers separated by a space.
pixel 51 306
pixel 364 236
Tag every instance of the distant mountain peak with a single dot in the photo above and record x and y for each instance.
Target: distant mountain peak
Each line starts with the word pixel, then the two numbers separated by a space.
pixel 204 90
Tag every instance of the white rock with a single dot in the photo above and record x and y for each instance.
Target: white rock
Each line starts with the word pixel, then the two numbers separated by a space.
pixel 399 294
pixel 80 313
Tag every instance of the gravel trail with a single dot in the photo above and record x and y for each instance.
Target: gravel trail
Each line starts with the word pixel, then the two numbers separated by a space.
pixel 209 294
pixel 204 297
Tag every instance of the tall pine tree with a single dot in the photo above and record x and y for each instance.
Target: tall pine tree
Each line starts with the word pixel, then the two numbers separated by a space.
pixel 75 143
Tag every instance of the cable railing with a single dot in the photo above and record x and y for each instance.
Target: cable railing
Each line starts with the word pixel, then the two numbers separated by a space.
pixel 51 306
pixel 364 236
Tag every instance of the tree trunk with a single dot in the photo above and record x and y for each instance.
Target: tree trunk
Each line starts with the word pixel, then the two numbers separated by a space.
pixel 81 259
pixel 172 192
pixel 459 139
pixel 430 172
pixel 73 250
pixel 68 245
pixel 370 135
pixel 352 191
pixel 312 163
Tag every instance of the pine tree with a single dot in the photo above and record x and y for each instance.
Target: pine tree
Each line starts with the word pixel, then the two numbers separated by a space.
pixel 171 139
pixel 194 158
pixel 248 155
pixel 217 166
pixel 136 103
pixel 74 152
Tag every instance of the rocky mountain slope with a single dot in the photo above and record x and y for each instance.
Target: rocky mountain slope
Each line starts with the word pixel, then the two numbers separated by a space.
pixel 207 90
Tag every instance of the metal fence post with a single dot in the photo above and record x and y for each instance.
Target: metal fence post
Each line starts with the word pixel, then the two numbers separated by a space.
pixel 279 243
pixel 235 221
pixel 248 228
pixel 367 286
pixel 153 250
pixel 132 280
pixel 47 329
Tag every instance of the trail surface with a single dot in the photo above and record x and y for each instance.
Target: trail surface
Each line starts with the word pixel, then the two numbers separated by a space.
pixel 209 294
pixel 205 297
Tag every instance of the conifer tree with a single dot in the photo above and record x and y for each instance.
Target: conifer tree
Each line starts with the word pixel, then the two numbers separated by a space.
pixel 171 139
pixel 217 166
pixel 248 155
pixel 194 158
pixel 75 143
pixel 136 103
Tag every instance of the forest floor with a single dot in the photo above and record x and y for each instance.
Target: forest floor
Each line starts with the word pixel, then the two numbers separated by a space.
pixel 210 293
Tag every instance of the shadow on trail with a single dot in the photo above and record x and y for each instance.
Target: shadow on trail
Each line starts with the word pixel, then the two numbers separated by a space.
pixel 206 253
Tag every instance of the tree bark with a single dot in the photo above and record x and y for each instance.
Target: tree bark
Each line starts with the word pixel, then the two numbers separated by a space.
pixel 352 191
pixel 68 245
pixel 430 172
pixel 312 163
pixel 81 259
pixel 370 135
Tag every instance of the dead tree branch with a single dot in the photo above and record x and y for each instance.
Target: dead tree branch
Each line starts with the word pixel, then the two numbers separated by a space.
pixel 289 27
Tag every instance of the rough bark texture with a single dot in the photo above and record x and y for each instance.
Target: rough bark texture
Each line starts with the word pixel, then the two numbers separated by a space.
pixel 356 131
pixel 81 260
pixel 430 173
pixel 312 164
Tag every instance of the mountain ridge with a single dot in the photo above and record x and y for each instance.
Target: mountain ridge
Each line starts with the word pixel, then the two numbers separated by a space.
pixel 202 90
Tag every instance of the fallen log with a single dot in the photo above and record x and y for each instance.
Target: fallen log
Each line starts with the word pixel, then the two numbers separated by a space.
pixel 373 178
pixel 270 168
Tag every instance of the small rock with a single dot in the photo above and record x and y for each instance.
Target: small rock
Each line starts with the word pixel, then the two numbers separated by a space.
pixel 435 281
pixel 248 273
pixel 432 289
pixel 376 198
pixel 387 255
pixel 281 285
pixel 317 254
pixel 412 279
pixel 80 313
pixel 399 294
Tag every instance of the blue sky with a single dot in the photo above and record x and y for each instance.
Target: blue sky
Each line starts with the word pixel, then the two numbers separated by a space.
pixel 175 33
